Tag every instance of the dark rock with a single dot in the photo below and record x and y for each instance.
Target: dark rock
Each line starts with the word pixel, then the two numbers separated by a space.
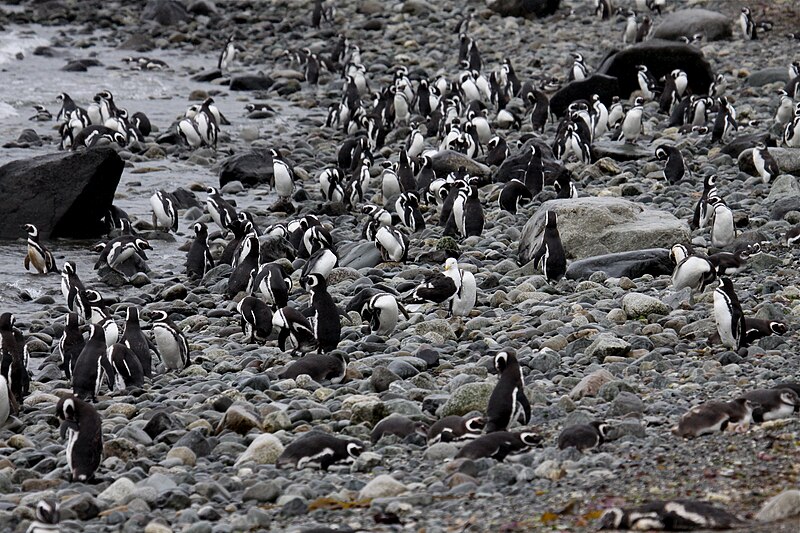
pixel 185 199
pixel 687 22
pixel 515 164
pixel 201 7
pixel 767 75
pixel 619 151
pixel 661 57
pixel 251 82
pixel 447 161
pixel 372 25
pixel 35 192
pixel 80 65
pixel 783 206
pixel 138 42
pixel 604 86
pixel 165 12
pixel 29 136
pixel 44 51
pixel 207 76
pixel 294 507
pixel 81 507
pixel 197 442
pixel 250 168
pixel 524 8
pixel 158 424
pixel 743 142
pixel 381 378
pixel 653 261
pixel 360 255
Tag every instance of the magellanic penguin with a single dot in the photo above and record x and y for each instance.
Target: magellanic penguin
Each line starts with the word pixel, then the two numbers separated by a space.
pixel 514 195
pixel 71 344
pixel 227 55
pixel 455 428
pixel 118 254
pixel 468 213
pixel 711 417
pixel 165 210
pixel 294 330
pixel 747 25
pixel 48 516
pixel 173 348
pixel 273 284
pixel 74 292
pixel 392 243
pixel 256 319
pixel 703 210
pixel 725 121
pixel 765 164
pixel 498 445
pixel 583 436
pixel 92 366
pixel 674 169
pixel 38 256
pixel 723 228
pixel 83 429
pixel 534 171
pixel 126 368
pixel 728 264
pixel 508 400
pixel 551 253
pixel 319 367
pixel 318 448
pixel 466 295
pixel 282 177
pixel 579 71
pixel 772 404
pixel 221 211
pixel 382 311
pixel 694 272
pixel 564 186
pixel 134 338
pixel 756 328
pixel 728 315
pixel 8 403
pixel 242 275
pixel 407 208
pixel 325 316
pixel 399 426
pixel 632 124
pixel 199 259
pixel 672 515
pixel 14 357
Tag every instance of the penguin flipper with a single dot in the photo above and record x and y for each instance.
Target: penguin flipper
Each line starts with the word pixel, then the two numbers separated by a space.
pixel 537 257
pixel 27 262
pixel 526 406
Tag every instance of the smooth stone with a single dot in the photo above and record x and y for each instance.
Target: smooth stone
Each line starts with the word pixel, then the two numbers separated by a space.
pixel 626 403
pixel 619 151
pixel 638 305
pixel 466 398
pixel 605 345
pixel 524 8
pixel 781 506
pixel 383 486
pixel 118 491
pixel 250 168
pixel 251 82
pixel 632 265
pixel 165 12
pixel 591 383
pixel 265 449
pixel 764 76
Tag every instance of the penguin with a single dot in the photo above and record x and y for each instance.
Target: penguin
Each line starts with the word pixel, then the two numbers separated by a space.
pixel 465 297
pixel 534 172
pixel 711 417
pixel 439 287
pixel 676 84
pixel 199 260
pixel 83 429
pixel 319 367
pixel 728 315
pixel 256 319
pixel 38 256
pixel 282 177
pixel 70 344
pixel 126 368
pixel 697 112
pixel 756 328
pixel 322 262
pixel 407 208
pixel 498 445
pixel 602 9
pixel 318 448
pixel 331 184
pixel 723 229
pixel 599 114
pixel 207 123
pixel 455 428
pixel 726 263
pixel 173 347
pixel 73 290
pixel 294 328
pixel 382 311
pixel 190 133
pixel 671 515
pixel 312 68
pixel 221 211
pixel 791 133
pixel 646 82
pixel 540 110
pixel 747 25
pixel 724 122
pixel 392 243
pixel 92 136
pixel 92 366
pixel 324 321
pixel 564 186
pixel 390 184
pixel 772 404
pixel 785 110
pixel 273 284
pixel 246 268
pixel 42 114
pixel 47 517
pixel 135 340
pixel 468 213
pixel 579 70
pixel 631 27
pixel 675 168
pixel 165 210
pixel 765 164
pixel 102 317
pixel 399 426
pixel 117 252
pixel 508 400
pixel 703 209
pixel 583 436
pixel 694 272
pixel 632 125
pixel 13 358
pixel 514 195
pixel 8 403
pixel 315 238
pixel 615 113
pixel 551 252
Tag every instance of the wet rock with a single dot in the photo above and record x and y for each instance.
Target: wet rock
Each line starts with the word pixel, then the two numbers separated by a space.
pixel 653 261
pixel 251 82
pixel 250 168
pixel 446 161
pixel 687 22
pixel 35 193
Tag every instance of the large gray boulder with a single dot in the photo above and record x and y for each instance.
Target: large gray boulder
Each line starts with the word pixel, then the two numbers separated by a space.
pixel 788 160
pixel 687 22
pixel 64 194
pixel 447 161
pixel 524 8
pixel 654 261
pixel 603 225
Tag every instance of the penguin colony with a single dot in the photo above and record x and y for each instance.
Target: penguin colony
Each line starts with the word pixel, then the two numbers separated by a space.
pixel 287 306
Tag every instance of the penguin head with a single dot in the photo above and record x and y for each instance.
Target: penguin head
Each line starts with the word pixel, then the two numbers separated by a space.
pixel 141 244
pixel 69 267
pixel 760 145
pixel 475 424
pixel 156 315
pixel 789 397
pixel 93 296
pixel 577 57
pixel 61 97
pixel 661 153
pixel 641 68
pixel 313 280
pixel 131 313
pixel 47 512
pixel 31 229
pixel 354 449
pixel 7 321
pixel 602 429
pixel 746 11
pixel 501 360
pixel 778 328
pixel 612 518
pixel 200 229
pixel 638 102
pixel 530 438
pixel 66 409
pixel 678 253
pixel 212 191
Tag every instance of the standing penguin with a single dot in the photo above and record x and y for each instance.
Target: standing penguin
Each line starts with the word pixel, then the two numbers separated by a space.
pixel 246 267
pixel 294 328
pixel 165 210
pixel 199 259
pixel 765 164
pixel 462 302
pixel 551 252
pixel 534 172
pixel 508 396
pixel 38 256
pixel 92 365
pixel 675 168
pixel 13 357
pixel 126 369
pixel 136 341
pixel 407 208
pixel 723 230
pixel 325 318
pixel 632 125
pixel 703 209
pixel 729 316
pixel 8 404
pixel 227 55
pixel 274 285
pixel 74 292
pixel 71 344
pixel 282 177
pixel 170 340
pixel 221 211
pixel 514 195
pixel 579 71
pixel 468 212
pixel 83 429
pixel 725 121
pixel 255 318
pixel 747 25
